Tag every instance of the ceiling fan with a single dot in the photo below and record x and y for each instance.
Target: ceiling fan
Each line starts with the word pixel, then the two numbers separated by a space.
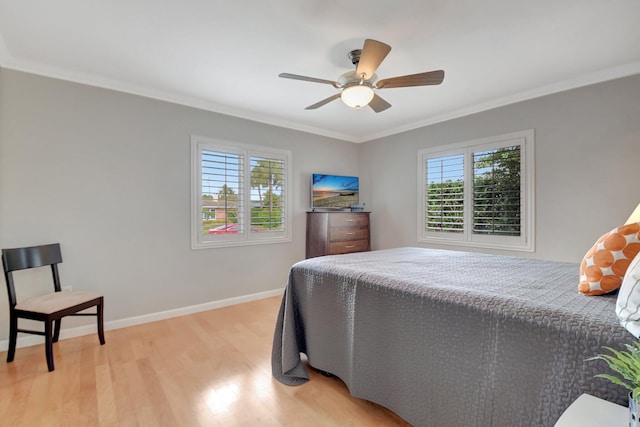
pixel 358 86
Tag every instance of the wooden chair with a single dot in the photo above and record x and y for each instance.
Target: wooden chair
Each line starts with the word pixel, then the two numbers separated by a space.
pixel 49 308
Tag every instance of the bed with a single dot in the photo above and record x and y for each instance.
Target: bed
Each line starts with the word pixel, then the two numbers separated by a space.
pixel 448 338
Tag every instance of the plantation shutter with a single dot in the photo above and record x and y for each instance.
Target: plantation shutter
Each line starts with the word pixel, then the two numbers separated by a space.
pixel 497 191
pixel 479 193
pixel 222 189
pixel 268 181
pixel 444 197
pixel 239 194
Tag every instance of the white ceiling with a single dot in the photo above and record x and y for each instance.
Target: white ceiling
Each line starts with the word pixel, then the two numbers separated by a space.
pixel 225 56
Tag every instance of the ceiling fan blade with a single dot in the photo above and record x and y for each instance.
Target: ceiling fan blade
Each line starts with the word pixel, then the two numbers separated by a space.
pixel 373 53
pixel 420 79
pixel 309 79
pixel 323 102
pixel 378 104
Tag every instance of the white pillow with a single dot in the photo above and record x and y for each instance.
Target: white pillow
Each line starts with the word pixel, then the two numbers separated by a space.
pixel 628 304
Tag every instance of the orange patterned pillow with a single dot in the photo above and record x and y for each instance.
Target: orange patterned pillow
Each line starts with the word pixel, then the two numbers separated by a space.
pixel 604 266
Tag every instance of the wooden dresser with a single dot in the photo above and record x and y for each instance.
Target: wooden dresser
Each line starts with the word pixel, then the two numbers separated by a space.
pixel 332 233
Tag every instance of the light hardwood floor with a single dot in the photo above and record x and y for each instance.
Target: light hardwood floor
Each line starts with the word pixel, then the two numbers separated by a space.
pixel 206 369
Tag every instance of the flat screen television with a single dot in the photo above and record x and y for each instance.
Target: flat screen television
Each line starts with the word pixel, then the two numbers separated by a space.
pixel 334 191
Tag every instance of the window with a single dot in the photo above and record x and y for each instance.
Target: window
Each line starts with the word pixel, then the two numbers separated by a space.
pixel 240 194
pixel 479 193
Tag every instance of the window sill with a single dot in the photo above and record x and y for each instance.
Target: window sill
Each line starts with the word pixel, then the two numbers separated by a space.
pixel 235 243
pixel 485 245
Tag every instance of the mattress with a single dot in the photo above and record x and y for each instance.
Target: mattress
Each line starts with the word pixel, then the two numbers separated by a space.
pixel 448 338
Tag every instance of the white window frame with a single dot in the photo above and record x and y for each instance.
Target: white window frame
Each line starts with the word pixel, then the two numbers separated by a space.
pixel 201 241
pixel 526 241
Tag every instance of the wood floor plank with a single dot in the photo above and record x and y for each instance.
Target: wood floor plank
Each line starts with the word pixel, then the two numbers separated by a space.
pixel 107 412
pixel 206 369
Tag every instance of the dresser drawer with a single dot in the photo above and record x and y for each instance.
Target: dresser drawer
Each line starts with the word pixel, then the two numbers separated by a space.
pixel 333 233
pixel 348 247
pixel 347 233
pixel 348 219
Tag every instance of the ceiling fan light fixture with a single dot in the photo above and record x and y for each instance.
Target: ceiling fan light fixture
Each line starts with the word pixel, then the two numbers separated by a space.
pixel 357 96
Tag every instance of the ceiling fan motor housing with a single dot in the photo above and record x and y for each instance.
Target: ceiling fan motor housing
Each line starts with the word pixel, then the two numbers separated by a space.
pixel 354 56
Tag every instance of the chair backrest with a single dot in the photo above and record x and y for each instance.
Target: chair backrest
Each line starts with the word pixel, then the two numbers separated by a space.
pixel 31 257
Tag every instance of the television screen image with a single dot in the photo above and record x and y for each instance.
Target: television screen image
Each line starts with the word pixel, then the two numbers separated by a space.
pixel 334 191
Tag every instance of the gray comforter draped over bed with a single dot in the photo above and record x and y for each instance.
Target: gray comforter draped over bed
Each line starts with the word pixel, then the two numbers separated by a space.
pixel 446 338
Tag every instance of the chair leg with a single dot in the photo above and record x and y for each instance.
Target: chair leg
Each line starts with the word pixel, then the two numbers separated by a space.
pixel 101 321
pixel 48 344
pixel 13 336
pixel 56 330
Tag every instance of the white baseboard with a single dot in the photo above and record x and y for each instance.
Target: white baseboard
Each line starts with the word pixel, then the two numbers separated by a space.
pixel 28 340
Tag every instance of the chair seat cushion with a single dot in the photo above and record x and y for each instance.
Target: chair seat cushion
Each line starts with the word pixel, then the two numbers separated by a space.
pixel 55 301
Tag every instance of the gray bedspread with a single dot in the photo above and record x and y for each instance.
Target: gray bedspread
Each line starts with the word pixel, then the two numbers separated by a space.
pixel 447 338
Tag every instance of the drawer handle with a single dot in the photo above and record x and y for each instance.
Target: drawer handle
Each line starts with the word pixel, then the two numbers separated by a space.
pixel 350 246
pixel 350 233
pixel 350 220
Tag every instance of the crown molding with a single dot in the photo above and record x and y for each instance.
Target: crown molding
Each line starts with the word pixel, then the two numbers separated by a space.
pixel 8 62
pixel 120 86
pixel 563 86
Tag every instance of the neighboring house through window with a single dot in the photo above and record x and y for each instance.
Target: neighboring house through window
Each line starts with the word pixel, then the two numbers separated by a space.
pixel 240 194
pixel 479 193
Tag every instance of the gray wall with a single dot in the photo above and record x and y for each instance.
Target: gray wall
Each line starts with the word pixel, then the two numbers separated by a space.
pixel 107 175
pixel 587 166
